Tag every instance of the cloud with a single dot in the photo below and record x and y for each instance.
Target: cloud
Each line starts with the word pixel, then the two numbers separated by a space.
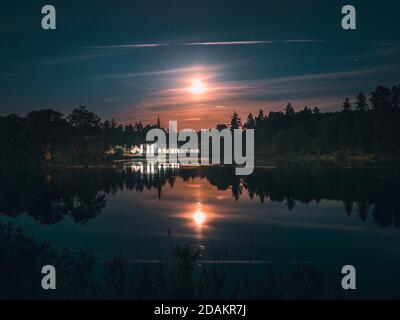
pixel 142 45
pixel 82 56
pixel 313 89
pixel 247 42
pixel 325 76
pixel 111 50
pixel 173 71
pixel 225 43
pixel 204 43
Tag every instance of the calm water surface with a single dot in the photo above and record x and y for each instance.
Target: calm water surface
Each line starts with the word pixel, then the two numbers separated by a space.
pixel 274 219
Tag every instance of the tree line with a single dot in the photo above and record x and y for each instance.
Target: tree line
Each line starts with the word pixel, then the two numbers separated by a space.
pixel 47 136
pixel 369 126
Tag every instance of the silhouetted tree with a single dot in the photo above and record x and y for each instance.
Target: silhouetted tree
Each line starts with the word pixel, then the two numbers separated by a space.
pixel 346 105
pixel 236 122
pixel 250 124
pixel 260 118
pixel 289 110
pixel 361 102
pixel 306 111
pixel 316 110
pixel 84 121
pixel 381 98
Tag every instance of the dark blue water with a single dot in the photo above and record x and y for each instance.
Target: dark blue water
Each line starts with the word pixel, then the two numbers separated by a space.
pixel 276 219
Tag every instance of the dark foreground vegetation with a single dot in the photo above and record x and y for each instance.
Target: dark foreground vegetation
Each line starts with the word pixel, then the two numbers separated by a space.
pixel 23 258
pixel 370 126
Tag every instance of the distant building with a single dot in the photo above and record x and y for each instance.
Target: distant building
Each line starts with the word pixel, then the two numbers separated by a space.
pixel 158 122
pixel 136 150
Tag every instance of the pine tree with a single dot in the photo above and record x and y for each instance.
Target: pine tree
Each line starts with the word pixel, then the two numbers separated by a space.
pixel 236 122
pixel 361 102
pixel 250 124
pixel 381 98
pixel 347 105
pixel 316 110
pixel 260 118
pixel 289 110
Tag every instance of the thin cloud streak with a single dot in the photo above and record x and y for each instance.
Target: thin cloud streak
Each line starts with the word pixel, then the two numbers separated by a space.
pixel 225 43
pixel 234 43
pixel 140 45
pixel 205 43
pixel 158 72
pixel 110 50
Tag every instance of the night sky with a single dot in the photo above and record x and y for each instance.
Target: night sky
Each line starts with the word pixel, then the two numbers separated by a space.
pixel 135 60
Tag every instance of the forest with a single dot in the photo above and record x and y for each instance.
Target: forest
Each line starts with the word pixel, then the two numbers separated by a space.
pixel 368 125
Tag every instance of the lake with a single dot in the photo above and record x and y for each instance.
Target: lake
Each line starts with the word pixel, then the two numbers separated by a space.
pixel 281 217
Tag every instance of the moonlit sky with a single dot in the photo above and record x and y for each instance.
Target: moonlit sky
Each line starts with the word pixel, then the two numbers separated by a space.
pixel 137 60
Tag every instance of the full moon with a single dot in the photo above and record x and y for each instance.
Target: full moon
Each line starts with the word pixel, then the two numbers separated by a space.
pixel 197 87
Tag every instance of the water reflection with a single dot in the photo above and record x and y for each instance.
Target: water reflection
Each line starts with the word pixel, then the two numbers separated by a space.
pixel 286 214
pixel 82 194
pixel 195 217
pixel 199 216
pixel 151 168
pixel 199 219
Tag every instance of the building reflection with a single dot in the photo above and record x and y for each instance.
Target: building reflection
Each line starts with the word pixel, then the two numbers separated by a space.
pixel 152 168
